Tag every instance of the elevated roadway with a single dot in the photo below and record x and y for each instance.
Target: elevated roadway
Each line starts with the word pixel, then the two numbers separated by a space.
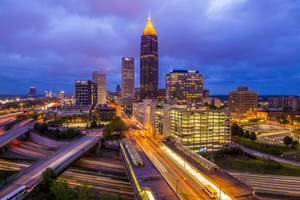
pixel 57 161
pixel 18 130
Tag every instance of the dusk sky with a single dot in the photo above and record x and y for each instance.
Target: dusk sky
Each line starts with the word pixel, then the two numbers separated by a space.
pixel 51 43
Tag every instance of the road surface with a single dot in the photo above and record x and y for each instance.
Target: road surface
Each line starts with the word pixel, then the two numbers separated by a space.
pixel 271 184
pixel 57 161
pixel 267 156
pixel 15 132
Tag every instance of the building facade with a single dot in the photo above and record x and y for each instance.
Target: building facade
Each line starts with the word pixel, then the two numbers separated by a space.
pixel 149 63
pixel 200 130
pixel 284 103
pixel 32 92
pixel 127 77
pixel 184 87
pixel 100 79
pixel 86 93
pixel 242 101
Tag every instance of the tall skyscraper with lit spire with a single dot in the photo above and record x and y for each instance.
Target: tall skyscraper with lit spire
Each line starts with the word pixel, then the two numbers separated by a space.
pixel 149 63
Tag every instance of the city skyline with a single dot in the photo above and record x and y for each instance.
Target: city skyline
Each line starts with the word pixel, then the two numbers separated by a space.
pixel 231 44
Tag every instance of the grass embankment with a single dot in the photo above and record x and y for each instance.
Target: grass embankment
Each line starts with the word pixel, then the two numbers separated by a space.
pixel 263 147
pixel 240 161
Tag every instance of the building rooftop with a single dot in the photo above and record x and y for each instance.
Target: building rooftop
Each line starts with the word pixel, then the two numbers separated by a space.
pixel 149 29
pixel 184 71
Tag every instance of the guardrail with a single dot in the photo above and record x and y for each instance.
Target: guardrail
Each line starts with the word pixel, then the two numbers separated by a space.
pixel 196 157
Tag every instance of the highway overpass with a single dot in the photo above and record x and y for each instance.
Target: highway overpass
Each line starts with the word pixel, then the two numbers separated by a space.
pixel 271 184
pixel 58 161
pixel 18 130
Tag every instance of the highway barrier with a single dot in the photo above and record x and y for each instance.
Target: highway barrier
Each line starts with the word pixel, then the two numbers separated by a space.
pixel 142 193
pixel 196 157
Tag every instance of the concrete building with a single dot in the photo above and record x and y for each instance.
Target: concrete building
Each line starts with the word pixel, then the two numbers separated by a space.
pixel 143 113
pixel 205 93
pixel 86 93
pixel 100 79
pixel 212 101
pixel 242 101
pixel 149 63
pixel 48 94
pixel 127 77
pixel 118 90
pixel 284 103
pixel 32 92
pixel 184 87
pixel 200 130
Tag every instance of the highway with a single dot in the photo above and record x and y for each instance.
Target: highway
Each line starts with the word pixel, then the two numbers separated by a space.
pixel 58 161
pixel 178 179
pixel 271 184
pixel 15 132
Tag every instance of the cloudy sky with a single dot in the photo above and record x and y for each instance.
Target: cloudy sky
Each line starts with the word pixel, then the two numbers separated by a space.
pixel 51 43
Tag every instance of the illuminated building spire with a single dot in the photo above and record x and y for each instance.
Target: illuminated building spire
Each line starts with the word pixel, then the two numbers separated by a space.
pixel 149 29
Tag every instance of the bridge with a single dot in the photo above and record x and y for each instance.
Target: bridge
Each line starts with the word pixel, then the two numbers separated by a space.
pixel 58 161
pixel 18 130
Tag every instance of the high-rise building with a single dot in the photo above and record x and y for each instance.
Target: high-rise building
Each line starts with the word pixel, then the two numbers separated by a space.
pixel 149 63
pixel 48 94
pixel 184 87
pixel 127 77
pixel 86 93
pixel 100 79
pixel 32 92
pixel 242 101
pixel 61 95
pixel 118 89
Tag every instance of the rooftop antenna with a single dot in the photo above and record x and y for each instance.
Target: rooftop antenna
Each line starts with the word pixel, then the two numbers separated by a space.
pixel 149 14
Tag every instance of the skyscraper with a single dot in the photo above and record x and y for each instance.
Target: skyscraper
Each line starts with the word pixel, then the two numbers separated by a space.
pixel 184 87
pixel 32 92
pixel 149 63
pixel 100 79
pixel 118 89
pixel 127 77
pixel 86 93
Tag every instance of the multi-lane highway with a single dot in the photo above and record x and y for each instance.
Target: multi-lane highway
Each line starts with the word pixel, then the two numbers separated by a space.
pixel 19 129
pixel 57 161
pixel 178 179
pixel 271 184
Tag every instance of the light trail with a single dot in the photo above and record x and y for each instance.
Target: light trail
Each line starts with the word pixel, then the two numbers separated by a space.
pixel 191 170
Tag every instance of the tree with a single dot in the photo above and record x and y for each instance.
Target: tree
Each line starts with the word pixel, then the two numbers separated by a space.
pixel 85 193
pixel 47 178
pixel 234 129
pixel 61 191
pixel 93 124
pixel 287 140
pixel 253 136
pixel 247 134
pixel 241 132
pixel 295 144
